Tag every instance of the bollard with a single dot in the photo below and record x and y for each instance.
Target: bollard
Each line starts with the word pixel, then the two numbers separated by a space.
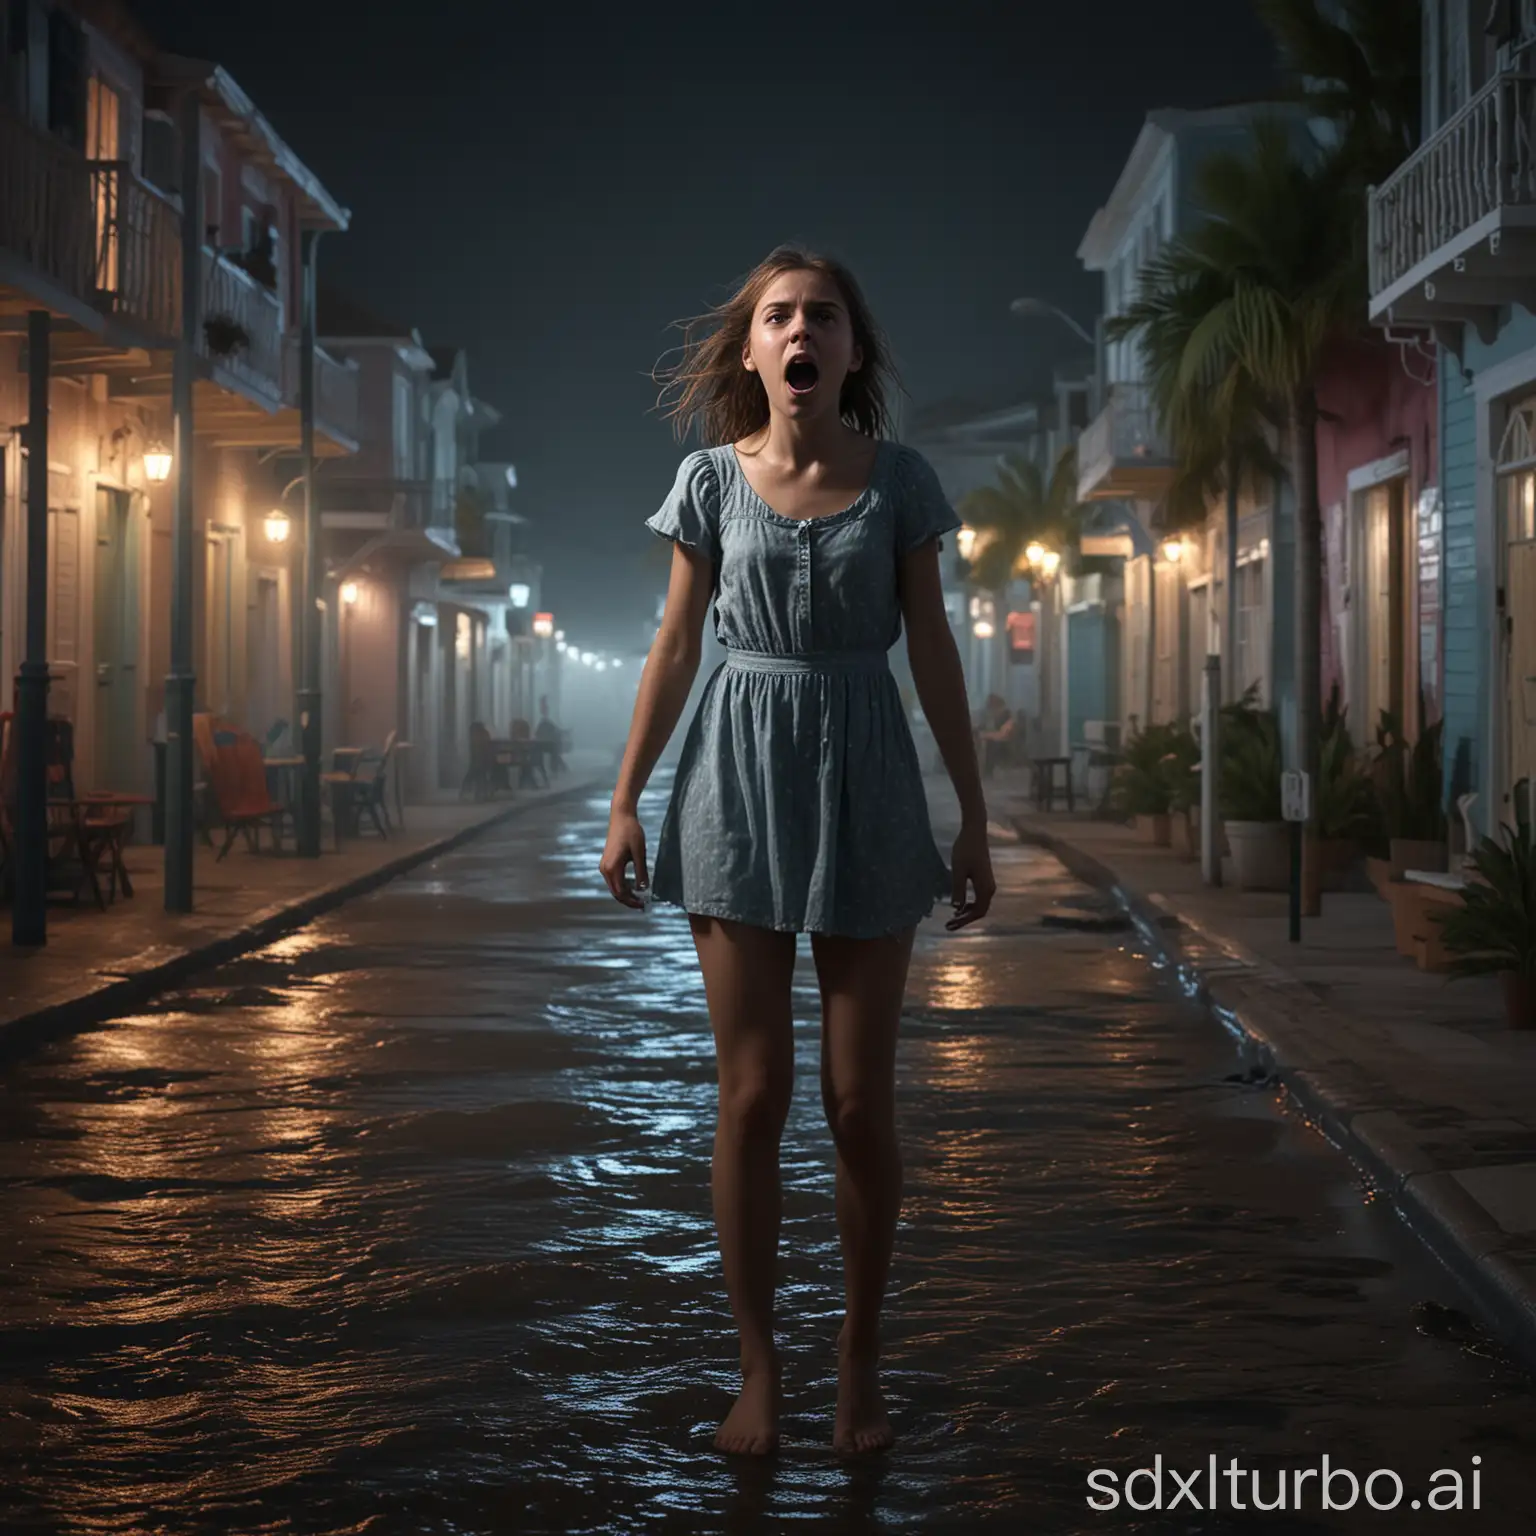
pixel 1210 773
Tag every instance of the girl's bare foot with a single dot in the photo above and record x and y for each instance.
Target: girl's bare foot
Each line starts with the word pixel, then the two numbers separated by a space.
pixel 751 1428
pixel 861 1424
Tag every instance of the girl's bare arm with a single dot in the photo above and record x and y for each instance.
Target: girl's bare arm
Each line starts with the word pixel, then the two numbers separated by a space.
pixel 668 674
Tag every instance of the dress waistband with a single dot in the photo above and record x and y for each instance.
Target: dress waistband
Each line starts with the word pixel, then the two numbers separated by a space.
pixel 808 661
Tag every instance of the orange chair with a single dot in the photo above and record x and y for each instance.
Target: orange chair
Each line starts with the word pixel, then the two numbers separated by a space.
pixel 238 774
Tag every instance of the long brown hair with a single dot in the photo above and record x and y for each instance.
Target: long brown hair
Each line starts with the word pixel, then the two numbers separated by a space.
pixel 724 402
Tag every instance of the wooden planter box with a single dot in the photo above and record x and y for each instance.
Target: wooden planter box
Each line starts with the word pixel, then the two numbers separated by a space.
pixel 1157 830
pixel 1415 932
pixel 1261 854
pixel 1410 853
pixel 1186 834
pixel 1379 871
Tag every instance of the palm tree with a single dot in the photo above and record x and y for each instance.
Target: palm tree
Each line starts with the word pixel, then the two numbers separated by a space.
pixel 1361 72
pixel 1271 278
pixel 1024 507
pixel 1219 424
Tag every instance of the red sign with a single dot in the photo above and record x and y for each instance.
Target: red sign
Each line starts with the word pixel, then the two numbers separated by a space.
pixel 1021 636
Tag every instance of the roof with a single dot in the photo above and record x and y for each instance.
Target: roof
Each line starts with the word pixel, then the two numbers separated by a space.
pixel 1158 139
pixel 339 314
pixel 234 111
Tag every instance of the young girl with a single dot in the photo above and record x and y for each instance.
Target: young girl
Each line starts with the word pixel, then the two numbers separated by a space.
pixel 798 803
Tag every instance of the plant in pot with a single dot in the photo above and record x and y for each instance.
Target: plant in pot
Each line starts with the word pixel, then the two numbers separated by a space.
pixel 224 335
pixel 1181 769
pixel 1410 793
pixel 1492 930
pixel 1141 788
pixel 1249 796
pixel 1345 801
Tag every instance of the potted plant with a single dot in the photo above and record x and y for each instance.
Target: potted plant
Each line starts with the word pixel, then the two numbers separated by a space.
pixel 1141 787
pixel 224 335
pixel 1492 930
pixel 1345 802
pixel 1181 768
pixel 1251 765
pixel 1410 793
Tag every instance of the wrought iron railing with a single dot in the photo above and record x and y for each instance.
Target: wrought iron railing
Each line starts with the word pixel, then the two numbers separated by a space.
pixel 242 325
pixel 45 205
pixel 336 390
pixel 136 261
pixel 1480 160
pixel 1126 430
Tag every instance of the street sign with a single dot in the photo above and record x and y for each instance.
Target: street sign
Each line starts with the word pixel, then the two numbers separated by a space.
pixel 1295 796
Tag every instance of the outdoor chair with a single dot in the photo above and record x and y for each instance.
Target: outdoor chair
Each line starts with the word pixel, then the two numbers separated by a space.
pixel 362 788
pixel 368 794
pixel 81 838
pixel 238 777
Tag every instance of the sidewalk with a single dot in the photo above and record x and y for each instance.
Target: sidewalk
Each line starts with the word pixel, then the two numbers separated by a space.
pixel 97 964
pixel 1417 1078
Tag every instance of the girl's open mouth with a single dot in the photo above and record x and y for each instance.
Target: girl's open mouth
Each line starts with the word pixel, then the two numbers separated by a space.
pixel 801 376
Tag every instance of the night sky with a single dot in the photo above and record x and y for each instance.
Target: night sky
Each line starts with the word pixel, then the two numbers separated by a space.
pixel 551 188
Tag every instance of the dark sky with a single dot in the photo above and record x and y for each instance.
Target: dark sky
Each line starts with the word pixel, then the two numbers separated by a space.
pixel 550 187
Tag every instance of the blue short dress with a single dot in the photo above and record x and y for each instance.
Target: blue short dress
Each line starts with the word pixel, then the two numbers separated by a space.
pixel 798 802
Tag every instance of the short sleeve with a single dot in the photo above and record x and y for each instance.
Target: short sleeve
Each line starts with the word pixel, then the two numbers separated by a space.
pixel 691 512
pixel 923 512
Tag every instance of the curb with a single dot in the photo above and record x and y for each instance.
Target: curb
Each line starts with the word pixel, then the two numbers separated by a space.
pixel 133 984
pixel 1434 1206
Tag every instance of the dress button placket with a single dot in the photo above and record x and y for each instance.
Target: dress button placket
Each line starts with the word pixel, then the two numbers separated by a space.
pixel 804 553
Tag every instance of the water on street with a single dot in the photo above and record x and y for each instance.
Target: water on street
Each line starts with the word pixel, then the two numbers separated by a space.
pixel 403 1226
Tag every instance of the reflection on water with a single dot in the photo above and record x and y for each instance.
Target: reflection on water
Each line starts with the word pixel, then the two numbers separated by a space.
pixel 403 1226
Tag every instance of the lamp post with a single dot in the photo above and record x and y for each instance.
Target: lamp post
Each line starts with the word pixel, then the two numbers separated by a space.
pixel 307 822
pixel 1030 308
pixel 29 916
pixel 1044 566
pixel 181 681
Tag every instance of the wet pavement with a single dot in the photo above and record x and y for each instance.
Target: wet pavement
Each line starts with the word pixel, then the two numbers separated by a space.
pixel 402 1226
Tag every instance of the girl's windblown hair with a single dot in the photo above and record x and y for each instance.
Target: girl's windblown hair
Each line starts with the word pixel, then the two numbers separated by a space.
pixel 709 390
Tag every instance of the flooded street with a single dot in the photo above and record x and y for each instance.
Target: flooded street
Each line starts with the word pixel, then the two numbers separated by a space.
pixel 403 1226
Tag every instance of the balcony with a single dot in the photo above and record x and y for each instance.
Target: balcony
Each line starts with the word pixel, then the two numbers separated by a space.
pixel 1122 453
pixel 46 234
pixel 1453 231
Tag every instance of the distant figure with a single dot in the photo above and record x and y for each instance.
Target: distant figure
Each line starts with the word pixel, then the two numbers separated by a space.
pixel 548 732
pixel 996 733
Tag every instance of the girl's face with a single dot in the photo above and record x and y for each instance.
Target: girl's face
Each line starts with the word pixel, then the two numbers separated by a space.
pixel 801 344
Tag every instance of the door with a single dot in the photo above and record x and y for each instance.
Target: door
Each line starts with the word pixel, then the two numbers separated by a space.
pixel 219 612
pixel 1383 617
pixel 266 663
pixel 1520 694
pixel 1200 643
pixel 117 641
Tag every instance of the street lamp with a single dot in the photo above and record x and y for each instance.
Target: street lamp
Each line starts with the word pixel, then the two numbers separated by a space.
pixel 1173 550
pixel 1033 309
pixel 1035 552
pixel 519 593
pixel 276 526
pixel 349 592
pixel 157 463
pixel 965 541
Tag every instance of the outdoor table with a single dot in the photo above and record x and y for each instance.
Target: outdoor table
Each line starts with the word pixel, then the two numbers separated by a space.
pixel 110 800
pixel 1044 770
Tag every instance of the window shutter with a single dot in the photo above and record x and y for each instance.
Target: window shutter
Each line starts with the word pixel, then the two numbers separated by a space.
pixel 66 78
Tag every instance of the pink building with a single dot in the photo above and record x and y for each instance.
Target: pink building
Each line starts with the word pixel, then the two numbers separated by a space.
pixel 1378 477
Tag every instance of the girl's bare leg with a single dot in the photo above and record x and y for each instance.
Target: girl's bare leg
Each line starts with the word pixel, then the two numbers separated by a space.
pixel 862 982
pixel 747 979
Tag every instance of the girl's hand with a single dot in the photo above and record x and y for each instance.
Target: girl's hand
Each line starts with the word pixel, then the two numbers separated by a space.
pixel 971 861
pixel 625 845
